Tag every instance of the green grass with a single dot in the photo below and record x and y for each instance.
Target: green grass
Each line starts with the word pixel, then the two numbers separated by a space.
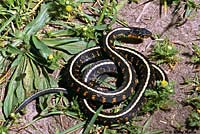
pixel 193 120
pixel 165 52
pixel 196 54
pixel 39 37
pixel 159 98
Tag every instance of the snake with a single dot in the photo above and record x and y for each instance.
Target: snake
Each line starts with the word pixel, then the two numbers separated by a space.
pixel 136 73
pixel 134 105
pixel 108 49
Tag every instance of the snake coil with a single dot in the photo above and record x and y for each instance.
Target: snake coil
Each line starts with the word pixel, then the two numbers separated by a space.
pixel 135 71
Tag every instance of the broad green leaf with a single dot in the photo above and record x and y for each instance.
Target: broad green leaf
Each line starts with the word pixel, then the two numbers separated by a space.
pixel 13 50
pixel 74 47
pixel 101 27
pixel 39 22
pixel 44 50
pixel 43 82
pixel 17 61
pixel 46 78
pixel 29 77
pixel 91 43
pixel 20 92
pixel 10 97
pixel 59 33
pixel 36 81
pixel 56 41
pixel 53 82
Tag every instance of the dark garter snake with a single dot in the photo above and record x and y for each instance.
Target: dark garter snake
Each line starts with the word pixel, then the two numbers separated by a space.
pixel 135 71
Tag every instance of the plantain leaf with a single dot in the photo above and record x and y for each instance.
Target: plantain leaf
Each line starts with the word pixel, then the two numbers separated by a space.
pixel 13 50
pixel 73 47
pixel 17 61
pixel 39 22
pixel 44 50
pixel 53 82
pixel 101 27
pixel 29 77
pixel 46 78
pixel 36 75
pixel 20 92
pixel 59 33
pixel 91 43
pixel 10 100
pixel 56 41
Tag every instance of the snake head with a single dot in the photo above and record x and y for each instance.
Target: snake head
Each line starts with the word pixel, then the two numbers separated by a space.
pixel 139 33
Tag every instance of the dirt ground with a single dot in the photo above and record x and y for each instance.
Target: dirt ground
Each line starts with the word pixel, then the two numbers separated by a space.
pixel 147 16
pixel 183 36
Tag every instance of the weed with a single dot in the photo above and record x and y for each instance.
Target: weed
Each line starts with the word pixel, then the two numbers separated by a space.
pixel 193 121
pixel 165 52
pixel 30 51
pixel 196 54
pixel 158 98
pixel 130 127
pixel 190 7
pixel 3 130
pixel 39 37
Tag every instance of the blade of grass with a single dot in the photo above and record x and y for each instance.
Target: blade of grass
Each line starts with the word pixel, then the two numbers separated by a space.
pixel 103 12
pixel 91 123
pixel 7 23
pixel 40 117
pixel 146 125
pixel 74 128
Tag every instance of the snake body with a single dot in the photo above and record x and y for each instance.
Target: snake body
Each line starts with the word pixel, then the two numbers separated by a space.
pixel 136 73
pixel 147 75
pixel 108 49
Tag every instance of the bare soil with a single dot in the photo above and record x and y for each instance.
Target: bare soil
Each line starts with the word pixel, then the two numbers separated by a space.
pixel 147 15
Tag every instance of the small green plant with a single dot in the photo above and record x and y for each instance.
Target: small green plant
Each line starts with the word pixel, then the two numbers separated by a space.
pixel 3 130
pixel 196 54
pixel 39 37
pixel 131 127
pixel 193 121
pixel 159 98
pixel 165 52
pixel 187 8
pixel 190 6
